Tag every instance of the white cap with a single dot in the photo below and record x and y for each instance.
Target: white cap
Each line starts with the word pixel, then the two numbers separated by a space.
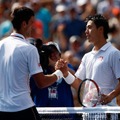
pixel 74 38
pixel 103 7
pixel 60 8
pixel 15 5
pixel 81 2
pixel 55 44
pixel 35 1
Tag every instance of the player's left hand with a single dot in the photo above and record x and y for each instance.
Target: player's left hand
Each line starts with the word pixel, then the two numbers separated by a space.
pixel 105 99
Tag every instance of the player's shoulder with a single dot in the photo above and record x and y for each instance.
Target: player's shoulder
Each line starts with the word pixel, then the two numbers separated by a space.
pixel 32 47
pixel 113 50
pixel 3 40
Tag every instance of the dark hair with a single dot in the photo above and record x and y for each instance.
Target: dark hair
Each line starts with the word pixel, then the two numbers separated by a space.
pixel 52 48
pixel 99 21
pixel 19 15
pixel 45 50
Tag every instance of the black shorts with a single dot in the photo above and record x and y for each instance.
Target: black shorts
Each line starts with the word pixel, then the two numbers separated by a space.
pixel 27 114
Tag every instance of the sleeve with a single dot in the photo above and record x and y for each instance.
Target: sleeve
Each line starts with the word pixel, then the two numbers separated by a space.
pixel 115 63
pixel 34 62
pixel 81 71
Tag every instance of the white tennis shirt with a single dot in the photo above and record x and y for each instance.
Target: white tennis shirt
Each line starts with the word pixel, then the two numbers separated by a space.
pixel 103 67
pixel 18 60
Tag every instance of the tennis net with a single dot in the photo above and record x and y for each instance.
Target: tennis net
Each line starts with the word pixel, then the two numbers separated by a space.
pixel 79 113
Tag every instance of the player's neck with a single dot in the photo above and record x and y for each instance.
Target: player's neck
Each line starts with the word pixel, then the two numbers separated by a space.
pixel 99 45
pixel 20 32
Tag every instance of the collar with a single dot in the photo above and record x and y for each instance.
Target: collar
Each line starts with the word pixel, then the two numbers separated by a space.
pixel 103 48
pixel 18 36
pixel 106 46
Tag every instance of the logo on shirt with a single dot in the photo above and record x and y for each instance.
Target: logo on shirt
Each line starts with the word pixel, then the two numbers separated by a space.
pixel 39 64
pixel 52 92
pixel 100 58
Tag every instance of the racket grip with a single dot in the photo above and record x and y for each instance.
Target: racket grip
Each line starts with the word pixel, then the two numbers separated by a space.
pixel 59 74
pixel 69 79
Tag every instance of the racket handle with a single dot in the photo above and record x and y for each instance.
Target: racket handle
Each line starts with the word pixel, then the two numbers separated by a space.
pixel 69 79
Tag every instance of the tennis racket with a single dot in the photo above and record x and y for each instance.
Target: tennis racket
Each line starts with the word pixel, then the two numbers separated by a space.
pixel 89 93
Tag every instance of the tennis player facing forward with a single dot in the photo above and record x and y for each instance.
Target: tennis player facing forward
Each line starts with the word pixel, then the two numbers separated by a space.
pixel 18 61
pixel 102 64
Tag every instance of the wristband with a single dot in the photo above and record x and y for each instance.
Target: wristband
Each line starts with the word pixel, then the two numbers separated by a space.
pixel 69 79
pixel 59 74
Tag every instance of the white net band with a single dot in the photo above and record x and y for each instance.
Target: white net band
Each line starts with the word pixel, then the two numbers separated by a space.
pixel 79 113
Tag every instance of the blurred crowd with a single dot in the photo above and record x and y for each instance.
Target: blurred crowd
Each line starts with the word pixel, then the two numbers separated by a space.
pixel 63 21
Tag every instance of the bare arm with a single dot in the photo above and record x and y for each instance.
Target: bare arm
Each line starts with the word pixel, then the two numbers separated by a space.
pixel 65 70
pixel 108 98
pixel 76 84
pixel 115 92
pixel 42 80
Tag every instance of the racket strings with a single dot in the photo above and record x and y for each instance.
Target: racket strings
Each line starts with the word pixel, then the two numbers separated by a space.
pixel 89 94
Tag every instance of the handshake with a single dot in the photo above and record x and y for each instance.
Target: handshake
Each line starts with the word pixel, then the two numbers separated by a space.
pixel 61 68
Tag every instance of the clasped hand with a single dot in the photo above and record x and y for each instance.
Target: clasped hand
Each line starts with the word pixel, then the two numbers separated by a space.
pixel 62 65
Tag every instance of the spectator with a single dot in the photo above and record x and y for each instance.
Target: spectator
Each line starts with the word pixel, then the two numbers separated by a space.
pixel 76 44
pixel 37 29
pixel 114 32
pixel 86 8
pixel 74 26
pixel 44 14
pixel 55 95
pixel 57 26
pixel 6 26
pixel 105 8
pixel 70 58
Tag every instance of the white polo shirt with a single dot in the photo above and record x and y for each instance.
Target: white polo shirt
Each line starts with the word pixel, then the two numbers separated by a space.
pixel 18 60
pixel 103 67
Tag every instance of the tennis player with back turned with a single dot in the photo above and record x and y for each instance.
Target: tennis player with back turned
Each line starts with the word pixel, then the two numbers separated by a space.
pixel 18 61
